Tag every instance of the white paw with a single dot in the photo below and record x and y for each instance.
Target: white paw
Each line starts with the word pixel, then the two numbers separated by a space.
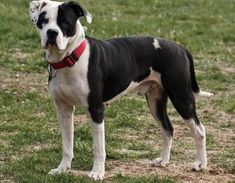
pixel 96 175
pixel 159 162
pixel 198 165
pixel 59 170
pixel 203 94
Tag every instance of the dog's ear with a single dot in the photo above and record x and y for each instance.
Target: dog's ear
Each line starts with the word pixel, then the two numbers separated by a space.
pixel 35 9
pixel 79 10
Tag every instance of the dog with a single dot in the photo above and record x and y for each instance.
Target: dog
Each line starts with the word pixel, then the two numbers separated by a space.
pixel 89 72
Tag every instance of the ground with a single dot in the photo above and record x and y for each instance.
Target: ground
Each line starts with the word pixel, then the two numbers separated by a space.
pixel 30 143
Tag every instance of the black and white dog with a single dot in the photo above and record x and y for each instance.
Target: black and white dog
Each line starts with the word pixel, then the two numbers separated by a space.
pixel 89 72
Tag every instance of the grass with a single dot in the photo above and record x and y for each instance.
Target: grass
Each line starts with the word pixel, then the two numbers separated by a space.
pixel 30 142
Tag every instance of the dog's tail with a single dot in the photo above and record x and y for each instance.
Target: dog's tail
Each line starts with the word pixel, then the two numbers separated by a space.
pixel 194 84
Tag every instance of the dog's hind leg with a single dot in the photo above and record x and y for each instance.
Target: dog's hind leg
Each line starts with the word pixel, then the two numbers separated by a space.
pixel 186 108
pixel 157 102
pixel 183 100
pixel 199 135
pixel 65 117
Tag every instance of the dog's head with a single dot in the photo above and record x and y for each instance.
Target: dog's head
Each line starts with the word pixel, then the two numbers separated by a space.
pixel 57 22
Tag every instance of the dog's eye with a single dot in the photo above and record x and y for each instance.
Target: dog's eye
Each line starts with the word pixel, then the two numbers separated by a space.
pixel 42 20
pixel 64 24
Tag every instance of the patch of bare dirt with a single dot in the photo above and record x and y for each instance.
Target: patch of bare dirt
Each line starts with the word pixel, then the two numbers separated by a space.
pixel 19 55
pixel 176 170
pixel 4 179
pixel 2 160
pixel 24 82
pixel 226 69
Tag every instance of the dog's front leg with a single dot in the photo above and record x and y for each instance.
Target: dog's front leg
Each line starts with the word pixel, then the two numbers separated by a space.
pixel 98 169
pixel 98 134
pixel 65 117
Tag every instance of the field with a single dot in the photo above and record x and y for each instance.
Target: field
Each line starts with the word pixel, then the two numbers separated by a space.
pixel 30 142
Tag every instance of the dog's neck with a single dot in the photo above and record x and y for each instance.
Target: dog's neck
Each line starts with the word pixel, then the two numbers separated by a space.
pixel 53 55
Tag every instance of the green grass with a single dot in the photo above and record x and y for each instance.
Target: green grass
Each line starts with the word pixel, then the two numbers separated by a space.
pixel 30 142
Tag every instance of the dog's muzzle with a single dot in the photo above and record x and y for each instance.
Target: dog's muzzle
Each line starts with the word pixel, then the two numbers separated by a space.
pixel 51 37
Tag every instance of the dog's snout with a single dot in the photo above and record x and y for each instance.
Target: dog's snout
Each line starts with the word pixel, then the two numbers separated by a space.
pixel 52 33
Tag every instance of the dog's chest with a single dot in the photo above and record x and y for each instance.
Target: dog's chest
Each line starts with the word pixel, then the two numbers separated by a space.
pixel 73 91
pixel 70 87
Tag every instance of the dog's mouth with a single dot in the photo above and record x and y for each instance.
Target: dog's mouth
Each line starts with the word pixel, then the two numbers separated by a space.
pixel 51 46
pixel 51 43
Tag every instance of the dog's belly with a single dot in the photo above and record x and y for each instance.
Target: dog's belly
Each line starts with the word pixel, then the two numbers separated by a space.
pixel 141 87
pixel 132 86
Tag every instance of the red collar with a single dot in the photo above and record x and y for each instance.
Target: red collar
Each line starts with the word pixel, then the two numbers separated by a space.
pixel 70 60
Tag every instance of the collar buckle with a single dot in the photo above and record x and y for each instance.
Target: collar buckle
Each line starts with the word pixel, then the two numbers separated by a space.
pixel 51 72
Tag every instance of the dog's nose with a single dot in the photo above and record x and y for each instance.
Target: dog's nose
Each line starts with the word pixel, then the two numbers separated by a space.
pixel 51 37
pixel 52 33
